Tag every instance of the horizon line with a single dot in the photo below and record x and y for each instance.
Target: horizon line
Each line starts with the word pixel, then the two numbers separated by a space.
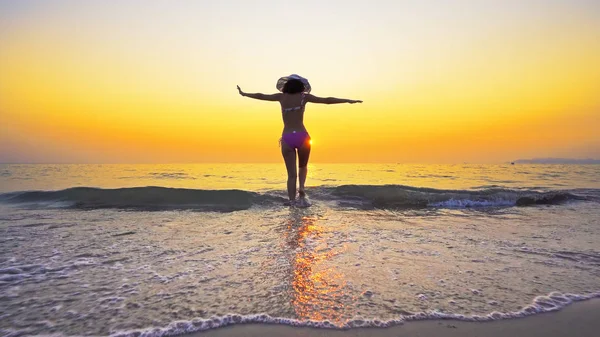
pixel 250 163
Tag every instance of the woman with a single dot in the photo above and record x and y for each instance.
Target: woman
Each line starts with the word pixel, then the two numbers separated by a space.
pixel 295 93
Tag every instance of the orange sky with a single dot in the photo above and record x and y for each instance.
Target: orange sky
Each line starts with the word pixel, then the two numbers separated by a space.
pixel 154 81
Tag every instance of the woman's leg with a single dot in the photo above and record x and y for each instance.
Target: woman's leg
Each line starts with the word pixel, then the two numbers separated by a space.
pixel 303 155
pixel 289 156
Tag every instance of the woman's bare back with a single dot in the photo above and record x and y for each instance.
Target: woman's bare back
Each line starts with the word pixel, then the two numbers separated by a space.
pixel 292 111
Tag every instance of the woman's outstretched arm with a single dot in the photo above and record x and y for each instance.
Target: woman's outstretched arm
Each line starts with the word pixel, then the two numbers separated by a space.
pixel 329 100
pixel 263 97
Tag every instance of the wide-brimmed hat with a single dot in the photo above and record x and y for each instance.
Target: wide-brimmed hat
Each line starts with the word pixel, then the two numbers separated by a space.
pixel 282 81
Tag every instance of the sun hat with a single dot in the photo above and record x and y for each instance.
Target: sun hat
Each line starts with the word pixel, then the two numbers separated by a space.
pixel 282 81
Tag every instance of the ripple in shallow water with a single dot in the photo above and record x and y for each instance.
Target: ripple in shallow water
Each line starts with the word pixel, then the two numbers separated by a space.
pixel 105 271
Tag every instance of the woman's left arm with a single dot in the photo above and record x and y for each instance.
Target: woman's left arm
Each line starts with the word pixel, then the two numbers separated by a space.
pixel 263 97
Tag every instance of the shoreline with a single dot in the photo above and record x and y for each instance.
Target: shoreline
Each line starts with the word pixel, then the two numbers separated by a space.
pixel 580 319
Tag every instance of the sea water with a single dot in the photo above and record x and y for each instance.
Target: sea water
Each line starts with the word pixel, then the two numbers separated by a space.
pixel 168 249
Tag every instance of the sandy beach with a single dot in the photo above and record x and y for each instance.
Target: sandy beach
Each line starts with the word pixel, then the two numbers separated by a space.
pixel 580 319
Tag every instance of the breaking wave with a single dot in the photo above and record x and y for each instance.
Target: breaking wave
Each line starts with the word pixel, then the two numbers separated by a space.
pixel 142 198
pixel 360 196
pixel 402 197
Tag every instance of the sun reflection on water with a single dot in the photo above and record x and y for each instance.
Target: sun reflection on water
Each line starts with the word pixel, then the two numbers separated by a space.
pixel 318 287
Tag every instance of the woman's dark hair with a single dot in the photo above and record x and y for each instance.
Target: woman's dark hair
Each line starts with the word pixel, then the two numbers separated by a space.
pixel 293 86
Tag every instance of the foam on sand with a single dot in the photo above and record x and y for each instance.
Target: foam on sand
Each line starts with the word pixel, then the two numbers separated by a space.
pixel 541 304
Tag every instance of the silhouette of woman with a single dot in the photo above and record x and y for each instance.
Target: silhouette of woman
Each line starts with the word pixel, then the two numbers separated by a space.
pixel 293 96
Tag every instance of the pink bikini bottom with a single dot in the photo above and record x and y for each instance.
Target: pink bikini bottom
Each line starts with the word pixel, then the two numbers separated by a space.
pixel 296 139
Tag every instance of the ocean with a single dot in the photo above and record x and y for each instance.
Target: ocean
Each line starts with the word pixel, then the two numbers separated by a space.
pixel 157 250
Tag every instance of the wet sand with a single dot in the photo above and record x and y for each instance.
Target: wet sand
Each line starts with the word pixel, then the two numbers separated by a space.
pixel 580 319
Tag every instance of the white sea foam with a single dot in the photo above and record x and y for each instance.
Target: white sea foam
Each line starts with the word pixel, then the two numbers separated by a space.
pixel 11 270
pixel 541 304
pixel 13 277
pixel 468 203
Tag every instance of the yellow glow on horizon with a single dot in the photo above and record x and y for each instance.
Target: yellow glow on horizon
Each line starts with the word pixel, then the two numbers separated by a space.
pixel 157 84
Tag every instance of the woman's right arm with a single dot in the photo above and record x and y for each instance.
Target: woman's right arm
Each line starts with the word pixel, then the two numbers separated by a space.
pixel 329 100
pixel 262 97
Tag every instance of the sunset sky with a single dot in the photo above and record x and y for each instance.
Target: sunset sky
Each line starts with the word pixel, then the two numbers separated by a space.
pixel 442 81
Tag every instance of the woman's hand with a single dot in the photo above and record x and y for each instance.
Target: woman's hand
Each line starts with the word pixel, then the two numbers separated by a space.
pixel 355 101
pixel 240 90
